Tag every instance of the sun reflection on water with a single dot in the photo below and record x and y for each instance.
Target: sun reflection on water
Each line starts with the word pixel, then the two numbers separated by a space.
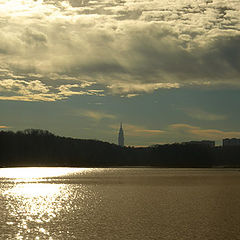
pixel 32 205
pixel 35 190
pixel 35 205
pixel 30 173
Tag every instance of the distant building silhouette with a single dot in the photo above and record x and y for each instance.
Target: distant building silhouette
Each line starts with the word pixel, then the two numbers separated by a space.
pixel 231 142
pixel 203 142
pixel 121 136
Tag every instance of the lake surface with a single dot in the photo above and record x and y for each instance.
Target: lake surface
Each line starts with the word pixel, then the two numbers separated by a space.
pixel 127 203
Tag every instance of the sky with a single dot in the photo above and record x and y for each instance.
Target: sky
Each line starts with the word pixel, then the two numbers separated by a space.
pixel 168 69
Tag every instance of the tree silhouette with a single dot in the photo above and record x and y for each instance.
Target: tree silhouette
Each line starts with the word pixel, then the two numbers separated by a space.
pixel 36 147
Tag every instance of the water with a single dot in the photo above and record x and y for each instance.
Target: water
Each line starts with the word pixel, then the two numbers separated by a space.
pixel 134 203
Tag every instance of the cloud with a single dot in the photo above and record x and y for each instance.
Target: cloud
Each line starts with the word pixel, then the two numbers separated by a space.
pixel 65 90
pixel 21 90
pixel 3 127
pixel 125 47
pixel 190 131
pixel 36 90
pixel 32 98
pixel 138 131
pixel 22 87
pixel 97 116
pixel 200 114
pixel 34 38
pixel 130 89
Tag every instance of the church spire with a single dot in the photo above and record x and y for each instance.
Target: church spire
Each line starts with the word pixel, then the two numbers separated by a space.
pixel 121 136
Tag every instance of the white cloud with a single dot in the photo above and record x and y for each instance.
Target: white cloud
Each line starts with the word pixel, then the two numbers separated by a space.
pixel 32 97
pixel 22 87
pixel 35 90
pixel 65 90
pixel 130 89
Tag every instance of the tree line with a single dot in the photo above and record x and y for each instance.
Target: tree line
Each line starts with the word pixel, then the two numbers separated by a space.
pixel 36 147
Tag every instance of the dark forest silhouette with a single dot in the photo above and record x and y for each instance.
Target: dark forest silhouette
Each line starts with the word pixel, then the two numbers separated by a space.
pixel 34 147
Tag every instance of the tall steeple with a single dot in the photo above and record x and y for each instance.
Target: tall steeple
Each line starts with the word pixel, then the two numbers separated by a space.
pixel 121 136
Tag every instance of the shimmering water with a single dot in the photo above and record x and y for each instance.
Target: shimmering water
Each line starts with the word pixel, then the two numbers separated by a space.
pixel 136 203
